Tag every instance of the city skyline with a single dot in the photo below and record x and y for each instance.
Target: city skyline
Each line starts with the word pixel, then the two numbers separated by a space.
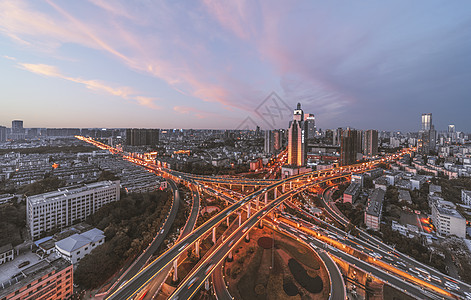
pixel 208 65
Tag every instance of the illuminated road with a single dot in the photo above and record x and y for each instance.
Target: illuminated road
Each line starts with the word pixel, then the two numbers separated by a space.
pixel 141 260
pixel 196 278
pixel 398 259
pixel 149 272
pixel 157 282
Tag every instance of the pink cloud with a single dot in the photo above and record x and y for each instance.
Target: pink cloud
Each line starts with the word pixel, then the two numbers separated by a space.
pixel 187 110
pixel 95 85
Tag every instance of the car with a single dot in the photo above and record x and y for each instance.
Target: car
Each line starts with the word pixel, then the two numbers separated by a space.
pixel 401 264
pixel 376 255
pixel 360 247
pixel 162 231
pixel 182 247
pixel 313 246
pixel 191 282
pixel 435 278
pixel 208 269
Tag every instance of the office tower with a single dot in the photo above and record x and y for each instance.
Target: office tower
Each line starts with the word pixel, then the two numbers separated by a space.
pixel 272 141
pixel 296 139
pixel 64 207
pixel 142 137
pixel 17 130
pixel 277 140
pixel 336 136
pixel 349 146
pixel 370 142
pixel 311 126
pixel 426 121
pixel 427 135
pixel 452 133
pixel 268 142
pixel 3 134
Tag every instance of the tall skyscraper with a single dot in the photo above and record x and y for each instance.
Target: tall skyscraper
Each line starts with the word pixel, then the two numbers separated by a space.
pixel 452 133
pixel 336 136
pixel 297 153
pixel 311 126
pixel 426 121
pixel 272 141
pixel 3 134
pixel 349 142
pixel 370 142
pixel 427 135
pixel 17 130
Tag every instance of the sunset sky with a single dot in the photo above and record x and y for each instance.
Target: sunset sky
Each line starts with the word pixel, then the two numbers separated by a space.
pixel 210 64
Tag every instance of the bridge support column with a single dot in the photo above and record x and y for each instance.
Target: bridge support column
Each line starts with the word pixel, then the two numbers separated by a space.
pixel 257 203
pixel 242 188
pixel 206 284
pixel 240 218
pixel 260 224
pixel 249 206
pixel 230 186
pixel 175 269
pixel 283 188
pixel 229 256
pixel 247 237
pixel 227 221
pixel 266 198
pixel 214 235
pixel 197 248
pixel 290 185
pixel 276 190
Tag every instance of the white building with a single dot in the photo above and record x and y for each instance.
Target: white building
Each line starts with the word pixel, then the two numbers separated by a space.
pixel 63 207
pixel 447 220
pixel 6 253
pixel 76 246
pixel 466 197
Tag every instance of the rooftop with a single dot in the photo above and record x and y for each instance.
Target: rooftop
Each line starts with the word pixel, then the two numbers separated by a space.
pixel 375 202
pixel 67 191
pixel 352 189
pixel 78 241
pixel 448 208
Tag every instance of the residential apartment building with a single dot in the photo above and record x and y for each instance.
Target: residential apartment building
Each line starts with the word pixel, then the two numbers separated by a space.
pixel 50 278
pixel 352 192
pixel 466 197
pixel 447 219
pixel 374 209
pixel 63 207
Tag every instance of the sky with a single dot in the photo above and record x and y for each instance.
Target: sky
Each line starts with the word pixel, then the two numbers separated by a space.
pixel 235 64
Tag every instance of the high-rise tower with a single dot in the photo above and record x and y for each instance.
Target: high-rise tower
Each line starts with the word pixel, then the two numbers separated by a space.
pixel 297 153
pixel 427 135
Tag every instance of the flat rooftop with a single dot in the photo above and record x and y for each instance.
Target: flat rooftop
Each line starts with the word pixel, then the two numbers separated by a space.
pixel 375 202
pixel 68 191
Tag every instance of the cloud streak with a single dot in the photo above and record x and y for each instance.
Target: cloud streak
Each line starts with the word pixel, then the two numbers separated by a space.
pixel 95 85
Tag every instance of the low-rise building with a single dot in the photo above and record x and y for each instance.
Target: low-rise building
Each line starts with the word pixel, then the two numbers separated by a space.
pixel 374 209
pixel 417 181
pixel 50 278
pixel 381 183
pixel 447 219
pixel 352 192
pixel 405 196
pixel 77 246
pixel 6 253
pixel 466 197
